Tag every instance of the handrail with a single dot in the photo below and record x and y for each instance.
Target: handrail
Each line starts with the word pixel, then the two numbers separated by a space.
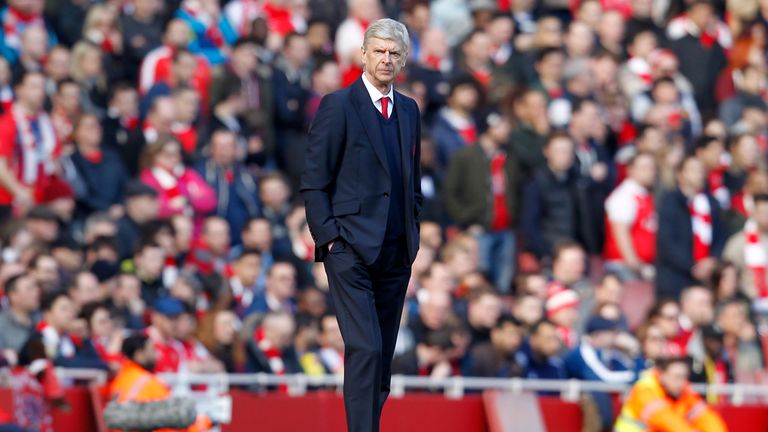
pixel 452 387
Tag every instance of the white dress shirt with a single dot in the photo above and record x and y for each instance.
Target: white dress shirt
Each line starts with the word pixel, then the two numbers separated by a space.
pixel 376 96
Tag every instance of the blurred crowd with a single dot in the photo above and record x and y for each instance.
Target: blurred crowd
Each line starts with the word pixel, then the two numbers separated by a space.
pixel 594 173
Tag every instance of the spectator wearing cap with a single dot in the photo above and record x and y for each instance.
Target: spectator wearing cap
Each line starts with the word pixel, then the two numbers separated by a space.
pixel 18 320
pixel 714 368
pixel 690 236
pixel 596 359
pixel 550 212
pixel 562 309
pixel 96 173
pixel 237 189
pixel 497 357
pixel 454 126
pixel 162 332
pixel 480 189
pixel 141 206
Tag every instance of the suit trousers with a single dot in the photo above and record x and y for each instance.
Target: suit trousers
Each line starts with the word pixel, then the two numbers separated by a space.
pixel 369 302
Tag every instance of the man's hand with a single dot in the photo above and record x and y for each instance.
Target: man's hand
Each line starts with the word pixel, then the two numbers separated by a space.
pixel 24 198
pixel 704 268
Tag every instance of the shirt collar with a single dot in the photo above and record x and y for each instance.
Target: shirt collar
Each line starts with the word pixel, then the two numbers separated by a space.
pixel 375 94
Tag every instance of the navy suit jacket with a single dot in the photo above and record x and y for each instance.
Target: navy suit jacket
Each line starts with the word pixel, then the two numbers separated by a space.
pixel 346 181
pixel 674 243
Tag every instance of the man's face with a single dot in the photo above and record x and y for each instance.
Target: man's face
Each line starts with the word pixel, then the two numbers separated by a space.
pixel 643 171
pixel 248 268
pixel 147 357
pixel 697 306
pixel 692 175
pixel 464 97
pixel 151 261
pixel 507 338
pixel 760 214
pixel 674 379
pixel 382 61
pixel 61 314
pixel 282 281
pixel 27 295
pixel 86 290
pixel 68 99
pixel 559 154
pixel 545 341
pixel 224 149
pixel 88 131
pixel 570 265
pixel 32 92
pixel 217 236
pixel 46 273
pixel 143 208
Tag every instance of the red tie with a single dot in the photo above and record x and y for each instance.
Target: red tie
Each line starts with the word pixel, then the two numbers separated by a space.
pixel 384 107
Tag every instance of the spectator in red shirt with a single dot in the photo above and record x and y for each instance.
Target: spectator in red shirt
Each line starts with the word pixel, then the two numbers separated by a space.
pixel 162 332
pixel 29 150
pixel 631 221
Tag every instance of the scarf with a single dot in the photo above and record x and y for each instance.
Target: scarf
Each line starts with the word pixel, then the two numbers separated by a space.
pixel 701 222
pixel 169 181
pixel 37 148
pixel 212 31
pixel 274 354
pixel 187 136
pixel 14 24
pixel 755 257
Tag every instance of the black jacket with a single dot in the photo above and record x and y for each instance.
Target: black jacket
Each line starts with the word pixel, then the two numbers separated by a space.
pixel 346 183
pixel 674 243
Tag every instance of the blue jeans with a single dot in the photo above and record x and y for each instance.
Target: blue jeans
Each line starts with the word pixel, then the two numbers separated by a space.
pixel 497 257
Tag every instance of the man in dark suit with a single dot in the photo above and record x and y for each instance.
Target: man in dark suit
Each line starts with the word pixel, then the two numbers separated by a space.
pixel 690 236
pixel 363 198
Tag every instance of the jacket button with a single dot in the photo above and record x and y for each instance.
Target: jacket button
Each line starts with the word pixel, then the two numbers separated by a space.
pixel 386 194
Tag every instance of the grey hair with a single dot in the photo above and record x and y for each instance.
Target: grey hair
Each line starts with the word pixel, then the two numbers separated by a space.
pixel 388 29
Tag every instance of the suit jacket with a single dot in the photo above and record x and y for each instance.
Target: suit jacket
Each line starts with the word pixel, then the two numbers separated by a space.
pixel 674 243
pixel 346 181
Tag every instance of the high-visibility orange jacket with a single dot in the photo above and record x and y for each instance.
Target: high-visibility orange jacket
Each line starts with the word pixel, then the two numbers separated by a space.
pixel 136 384
pixel 649 409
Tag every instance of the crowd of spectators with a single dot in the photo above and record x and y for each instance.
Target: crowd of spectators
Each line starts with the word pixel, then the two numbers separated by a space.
pixel 573 153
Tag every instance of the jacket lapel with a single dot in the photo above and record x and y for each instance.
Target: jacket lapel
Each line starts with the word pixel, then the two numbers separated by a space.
pixel 367 113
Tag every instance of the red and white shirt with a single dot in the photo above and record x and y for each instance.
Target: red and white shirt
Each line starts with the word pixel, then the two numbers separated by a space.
pixel 632 204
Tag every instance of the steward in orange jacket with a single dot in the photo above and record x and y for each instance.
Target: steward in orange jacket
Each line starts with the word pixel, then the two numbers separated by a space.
pixel 135 383
pixel 663 401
